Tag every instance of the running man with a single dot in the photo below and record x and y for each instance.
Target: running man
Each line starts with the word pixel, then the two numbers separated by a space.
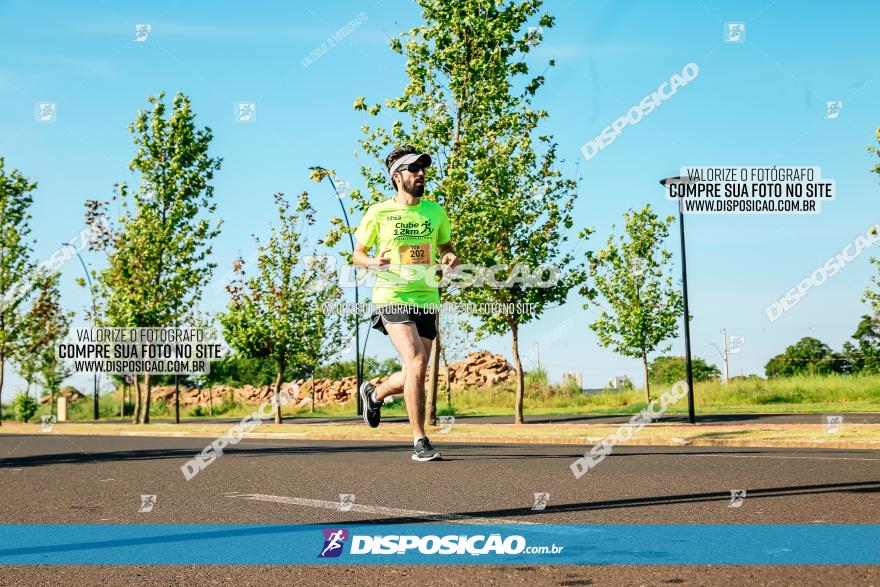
pixel 410 234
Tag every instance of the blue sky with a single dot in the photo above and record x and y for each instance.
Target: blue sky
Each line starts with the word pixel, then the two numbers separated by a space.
pixel 757 103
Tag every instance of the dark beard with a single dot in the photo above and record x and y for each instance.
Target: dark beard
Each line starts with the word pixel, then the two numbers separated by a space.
pixel 413 189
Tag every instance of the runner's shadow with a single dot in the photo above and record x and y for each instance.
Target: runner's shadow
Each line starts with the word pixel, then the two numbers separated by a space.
pixel 73 458
pixel 762 493
pixel 458 452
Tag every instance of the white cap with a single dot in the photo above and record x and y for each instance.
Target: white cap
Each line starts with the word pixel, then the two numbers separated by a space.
pixel 422 158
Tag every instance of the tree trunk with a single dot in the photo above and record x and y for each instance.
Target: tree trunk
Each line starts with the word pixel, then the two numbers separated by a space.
pixel 520 380
pixel 431 395
pixel 2 368
pixel 145 406
pixel 647 383
pixel 278 376
pixel 448 382
pixel 136 413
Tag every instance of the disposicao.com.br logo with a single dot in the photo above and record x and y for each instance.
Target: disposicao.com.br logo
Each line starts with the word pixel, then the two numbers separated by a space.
pixel 450 544
pixel 334 539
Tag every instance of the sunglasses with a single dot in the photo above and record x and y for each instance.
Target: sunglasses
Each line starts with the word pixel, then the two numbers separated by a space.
pixel 413 167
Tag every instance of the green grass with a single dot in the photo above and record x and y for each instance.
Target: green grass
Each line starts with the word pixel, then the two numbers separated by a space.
pixel 805 394
pixel 808 394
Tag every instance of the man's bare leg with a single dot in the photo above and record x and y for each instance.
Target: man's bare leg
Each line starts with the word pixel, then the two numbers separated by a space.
pixel 394 383
pixel 411 348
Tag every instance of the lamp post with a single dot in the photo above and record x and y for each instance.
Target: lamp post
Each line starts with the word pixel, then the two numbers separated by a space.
pixel 684 290
pixel 724 354
pixel 94 315
pixel 357 325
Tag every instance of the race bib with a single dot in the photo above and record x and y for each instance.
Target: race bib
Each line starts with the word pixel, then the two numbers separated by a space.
pixel 415 254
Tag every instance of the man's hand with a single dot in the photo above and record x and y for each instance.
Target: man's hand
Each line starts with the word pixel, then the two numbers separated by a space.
pixel 381 263
pixel 450 259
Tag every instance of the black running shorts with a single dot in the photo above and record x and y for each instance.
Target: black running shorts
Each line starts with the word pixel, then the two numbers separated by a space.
pixel 425 320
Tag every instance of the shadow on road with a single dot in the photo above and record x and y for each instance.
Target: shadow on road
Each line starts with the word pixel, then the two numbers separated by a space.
pixel 857 487
pixel 854 487
pixel 458 452
pixel 73 458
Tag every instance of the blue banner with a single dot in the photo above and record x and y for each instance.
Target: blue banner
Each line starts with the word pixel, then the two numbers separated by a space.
pixel 689 544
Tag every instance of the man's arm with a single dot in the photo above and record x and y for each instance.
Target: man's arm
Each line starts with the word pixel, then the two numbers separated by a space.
pixel 362 259
pixel 448 256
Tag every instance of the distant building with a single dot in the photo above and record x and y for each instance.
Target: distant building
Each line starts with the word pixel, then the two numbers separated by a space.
pixel 573 379
pixel 619 383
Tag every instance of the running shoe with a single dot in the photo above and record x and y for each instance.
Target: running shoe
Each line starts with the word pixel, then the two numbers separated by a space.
pixel 372 410
pixel 424 451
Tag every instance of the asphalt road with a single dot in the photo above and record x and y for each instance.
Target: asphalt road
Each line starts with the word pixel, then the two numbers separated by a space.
pixel 51 478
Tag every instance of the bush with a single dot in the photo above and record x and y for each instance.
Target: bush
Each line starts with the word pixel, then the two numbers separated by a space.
pixel 25 406
pixel 571 387
pixel 227 405
pixel 672 369
pixel 536 377
pixel 808 356
pixel 752 377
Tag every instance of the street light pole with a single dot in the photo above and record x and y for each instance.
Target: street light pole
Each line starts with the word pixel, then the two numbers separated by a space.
pixel 94 316
pixel 357 325
pixel 684 290
pixel 724 354
pixel 726 363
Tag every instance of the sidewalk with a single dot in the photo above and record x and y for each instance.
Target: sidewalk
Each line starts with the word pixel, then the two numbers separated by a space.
pixel 850 436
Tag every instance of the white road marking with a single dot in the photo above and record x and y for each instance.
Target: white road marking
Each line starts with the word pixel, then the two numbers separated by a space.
pixel 783 457
pixel 379 510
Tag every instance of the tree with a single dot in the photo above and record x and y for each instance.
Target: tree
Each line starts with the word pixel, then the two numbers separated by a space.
pixel 808 356
pixel 45 324
pixel 158 255
pixel 873 297
pixel 469 103
pixel 236 370
pixel 16 267
pixel 632 275
pixel 54 322
pixel 671 369
pixel 456 342
pixel 865 355
pixel 24 406
pixel 26 354
pixel 276 312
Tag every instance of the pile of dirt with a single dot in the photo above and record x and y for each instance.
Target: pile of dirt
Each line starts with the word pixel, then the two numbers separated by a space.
pixel 479 369
pixel 71 393
pixel 326 391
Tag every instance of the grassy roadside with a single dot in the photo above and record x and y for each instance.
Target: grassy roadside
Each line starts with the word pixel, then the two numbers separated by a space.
pixel 808 394
pixel 832 394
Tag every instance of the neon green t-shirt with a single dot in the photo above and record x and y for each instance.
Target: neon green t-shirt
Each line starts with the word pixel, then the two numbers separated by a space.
pixel 412 233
